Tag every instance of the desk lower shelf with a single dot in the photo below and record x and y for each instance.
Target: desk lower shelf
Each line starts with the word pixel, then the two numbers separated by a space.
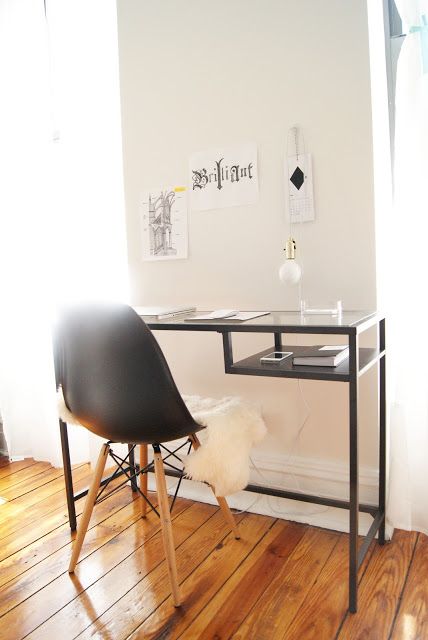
pixel 252 366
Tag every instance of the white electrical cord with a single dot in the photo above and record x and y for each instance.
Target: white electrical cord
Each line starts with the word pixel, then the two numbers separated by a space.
pixel 250 505
pixel 294 444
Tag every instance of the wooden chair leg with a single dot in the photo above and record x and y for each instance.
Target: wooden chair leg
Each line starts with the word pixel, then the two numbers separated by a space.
pixel 143 478
pixel 166 525
pixel 89 505
pixel 222 502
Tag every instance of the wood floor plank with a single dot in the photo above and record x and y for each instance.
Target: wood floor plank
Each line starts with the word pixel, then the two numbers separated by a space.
pixel 26 520
pixel 36 482
pixel 71 600
pixel 234 601
pixel 47 524
pixel 149 588
pixel 198 586
pixel 380 590
pixel 32 507
pixel 16 530
pixel 120 619
pixel 50 482
pixel 249 589
pixel 31 554
pixel 9 468
pixel 326 605
pixel 412 619
pixel 288 588
pixel 23 475
pixel 54 566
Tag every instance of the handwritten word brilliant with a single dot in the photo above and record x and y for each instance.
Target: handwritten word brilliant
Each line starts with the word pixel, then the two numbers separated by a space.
pixel 221 174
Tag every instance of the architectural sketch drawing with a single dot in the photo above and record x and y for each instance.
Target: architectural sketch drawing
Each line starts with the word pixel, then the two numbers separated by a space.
pixel 160 226
pixel 164 224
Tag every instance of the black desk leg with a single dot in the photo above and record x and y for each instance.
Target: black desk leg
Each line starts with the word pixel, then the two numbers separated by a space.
pixel 227 351
pixel 132 466
pixel 353 473
pixel 278 341
pixel 67 475
pixel 382 433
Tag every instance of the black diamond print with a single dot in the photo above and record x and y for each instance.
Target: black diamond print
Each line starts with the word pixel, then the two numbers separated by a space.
pixel 297 178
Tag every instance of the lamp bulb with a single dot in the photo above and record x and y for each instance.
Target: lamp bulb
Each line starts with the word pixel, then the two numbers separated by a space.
pixel 290 272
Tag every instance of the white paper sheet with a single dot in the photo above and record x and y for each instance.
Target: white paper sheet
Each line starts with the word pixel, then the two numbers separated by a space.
pixel 164 223
pixel 299 186
pixel 224 177
pixel 239 316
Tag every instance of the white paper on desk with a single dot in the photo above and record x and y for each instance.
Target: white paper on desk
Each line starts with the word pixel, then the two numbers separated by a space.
pixel 224 177
pixel 248 315
pixel 164 223
pixel 241 316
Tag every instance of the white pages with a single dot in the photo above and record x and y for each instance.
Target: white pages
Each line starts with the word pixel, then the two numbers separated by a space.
pixel 163 312
pixel 239 316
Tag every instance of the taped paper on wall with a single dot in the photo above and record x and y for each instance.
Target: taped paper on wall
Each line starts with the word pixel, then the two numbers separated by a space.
pixel 224 177
pixel 164 224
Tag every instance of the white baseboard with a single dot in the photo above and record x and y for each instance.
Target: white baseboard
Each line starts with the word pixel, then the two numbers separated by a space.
pixel 308 475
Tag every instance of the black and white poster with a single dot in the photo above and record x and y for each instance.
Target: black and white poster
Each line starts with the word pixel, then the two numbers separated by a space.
pixel 164 223
pixel 224 177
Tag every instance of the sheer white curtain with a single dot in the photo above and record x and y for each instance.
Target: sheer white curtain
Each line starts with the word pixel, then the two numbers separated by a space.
pixel 62 208
pixel 408 300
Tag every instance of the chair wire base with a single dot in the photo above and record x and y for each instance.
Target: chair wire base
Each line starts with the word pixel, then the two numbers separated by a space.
pixel 124 466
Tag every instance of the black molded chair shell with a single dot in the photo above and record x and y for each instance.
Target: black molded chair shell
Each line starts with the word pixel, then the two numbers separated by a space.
pixel 115 378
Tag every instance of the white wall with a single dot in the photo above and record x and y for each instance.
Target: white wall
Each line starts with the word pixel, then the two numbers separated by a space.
pixel 197 75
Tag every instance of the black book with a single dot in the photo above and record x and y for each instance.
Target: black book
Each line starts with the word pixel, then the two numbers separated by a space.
pixel 322 356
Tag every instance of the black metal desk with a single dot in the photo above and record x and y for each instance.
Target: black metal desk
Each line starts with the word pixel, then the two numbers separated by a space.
pixel 352 324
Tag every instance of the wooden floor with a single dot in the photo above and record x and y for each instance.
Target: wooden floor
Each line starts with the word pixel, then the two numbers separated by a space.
pixel 281 580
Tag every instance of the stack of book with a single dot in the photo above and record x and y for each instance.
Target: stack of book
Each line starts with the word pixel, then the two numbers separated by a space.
pixel 322 356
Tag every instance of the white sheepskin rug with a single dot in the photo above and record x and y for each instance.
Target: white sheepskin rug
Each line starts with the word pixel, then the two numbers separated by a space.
pixel 232 428
pixel 63 411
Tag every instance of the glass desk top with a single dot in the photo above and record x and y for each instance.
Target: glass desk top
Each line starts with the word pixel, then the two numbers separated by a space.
pixel 286 321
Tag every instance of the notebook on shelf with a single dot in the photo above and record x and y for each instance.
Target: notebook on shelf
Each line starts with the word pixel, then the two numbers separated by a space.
pixel 162 313
pixel 322 356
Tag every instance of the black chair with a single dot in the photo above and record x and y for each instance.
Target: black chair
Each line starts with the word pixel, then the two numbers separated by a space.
pixel 117 383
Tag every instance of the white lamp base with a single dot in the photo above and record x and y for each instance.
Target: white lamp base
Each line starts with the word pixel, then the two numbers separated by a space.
pixel 332 311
